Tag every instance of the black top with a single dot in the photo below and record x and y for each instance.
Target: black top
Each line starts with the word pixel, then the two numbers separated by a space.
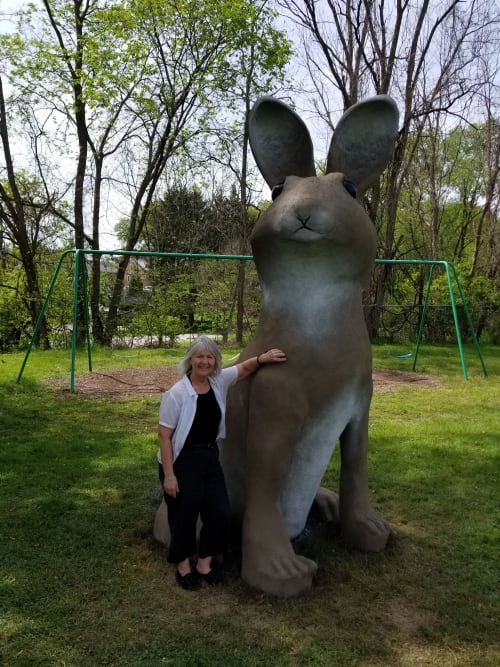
pixel 206 420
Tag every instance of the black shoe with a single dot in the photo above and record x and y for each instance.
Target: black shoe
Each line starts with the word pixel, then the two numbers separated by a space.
pixel 213 577
pixel 189 581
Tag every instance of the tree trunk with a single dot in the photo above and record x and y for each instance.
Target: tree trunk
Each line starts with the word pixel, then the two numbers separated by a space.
pixel 14 218
pixel 240 300
pixel 34 300
pixel 95 294
pixel 112 319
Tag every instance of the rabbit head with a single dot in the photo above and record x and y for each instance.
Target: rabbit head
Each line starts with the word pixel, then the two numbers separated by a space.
pixel 319 217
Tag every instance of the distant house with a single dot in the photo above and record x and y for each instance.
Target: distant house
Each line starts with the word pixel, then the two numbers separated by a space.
pixel 137 269
pixel 136 272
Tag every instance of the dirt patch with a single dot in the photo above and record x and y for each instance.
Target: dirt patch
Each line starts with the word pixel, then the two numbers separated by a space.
pixel 124 383
pixel 390 380
pixel 130 382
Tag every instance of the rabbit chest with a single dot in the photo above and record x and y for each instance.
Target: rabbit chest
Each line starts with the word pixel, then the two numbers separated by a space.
pixel 314 250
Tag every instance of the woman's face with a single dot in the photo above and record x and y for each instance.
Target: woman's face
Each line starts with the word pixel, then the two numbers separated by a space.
pixel 202 363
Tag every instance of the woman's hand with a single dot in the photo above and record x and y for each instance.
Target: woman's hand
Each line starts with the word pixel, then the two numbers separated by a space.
pixel 246 368
pixel 170 485
pixel 271 356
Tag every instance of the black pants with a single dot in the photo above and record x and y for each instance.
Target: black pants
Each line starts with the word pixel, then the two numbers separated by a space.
pixel 202 492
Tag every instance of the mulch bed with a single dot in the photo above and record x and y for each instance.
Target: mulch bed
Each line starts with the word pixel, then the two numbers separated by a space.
pixel 130 382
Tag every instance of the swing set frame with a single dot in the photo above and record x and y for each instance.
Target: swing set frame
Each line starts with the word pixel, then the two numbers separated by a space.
pixel 80 271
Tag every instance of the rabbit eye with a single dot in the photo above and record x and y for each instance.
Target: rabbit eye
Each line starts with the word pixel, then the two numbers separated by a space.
pixel 350 187
pixel 276 191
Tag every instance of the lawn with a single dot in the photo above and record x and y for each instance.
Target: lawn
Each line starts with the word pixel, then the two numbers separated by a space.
pixel 83 584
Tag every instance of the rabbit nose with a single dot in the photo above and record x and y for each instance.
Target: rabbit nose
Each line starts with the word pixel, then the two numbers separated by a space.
pixel 303 221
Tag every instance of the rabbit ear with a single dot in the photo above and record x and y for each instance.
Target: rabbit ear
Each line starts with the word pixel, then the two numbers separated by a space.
pixel 364 140
pixel 280 141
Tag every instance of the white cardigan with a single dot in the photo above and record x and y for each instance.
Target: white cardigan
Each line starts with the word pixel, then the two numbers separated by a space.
pixel 178 406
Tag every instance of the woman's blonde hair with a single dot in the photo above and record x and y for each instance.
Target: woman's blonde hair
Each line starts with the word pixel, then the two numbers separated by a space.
pixel 202 343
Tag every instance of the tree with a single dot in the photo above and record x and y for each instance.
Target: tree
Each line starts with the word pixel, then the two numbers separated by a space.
pixel 131 81
pixel 27 211
pixel 440 214
pixel 425 54
pixel 258 69
pixel 68 62
pixel 184 221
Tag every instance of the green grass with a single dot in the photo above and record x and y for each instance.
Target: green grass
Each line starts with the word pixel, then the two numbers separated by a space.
pixel 83 583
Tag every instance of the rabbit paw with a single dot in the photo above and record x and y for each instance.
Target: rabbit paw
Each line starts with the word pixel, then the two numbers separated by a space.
pixel 327 503
pixel 366 531
pixel 281 574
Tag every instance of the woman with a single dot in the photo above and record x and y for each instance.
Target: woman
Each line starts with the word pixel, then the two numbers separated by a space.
pixel 192 419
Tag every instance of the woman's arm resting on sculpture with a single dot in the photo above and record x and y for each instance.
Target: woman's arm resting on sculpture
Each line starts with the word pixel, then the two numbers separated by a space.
pixel 170 482
pixel 249 366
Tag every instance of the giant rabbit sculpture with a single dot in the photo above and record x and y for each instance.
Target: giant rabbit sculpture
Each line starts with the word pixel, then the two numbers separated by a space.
pixel 314 249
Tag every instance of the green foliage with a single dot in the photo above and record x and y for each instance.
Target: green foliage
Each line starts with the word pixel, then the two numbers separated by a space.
pixel 192 295
pixel 183 221
pixel 404 301
pixel 217 297
pixel 200 300
pixel 135 83
pixel 15 321
pixel 440 206
pixel 14 318
pixel 135 286
pixel 483 299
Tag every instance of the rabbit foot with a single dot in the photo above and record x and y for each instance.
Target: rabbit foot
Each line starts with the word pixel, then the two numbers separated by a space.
pixel 327 504
pixel 366 531
pixel 284 575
